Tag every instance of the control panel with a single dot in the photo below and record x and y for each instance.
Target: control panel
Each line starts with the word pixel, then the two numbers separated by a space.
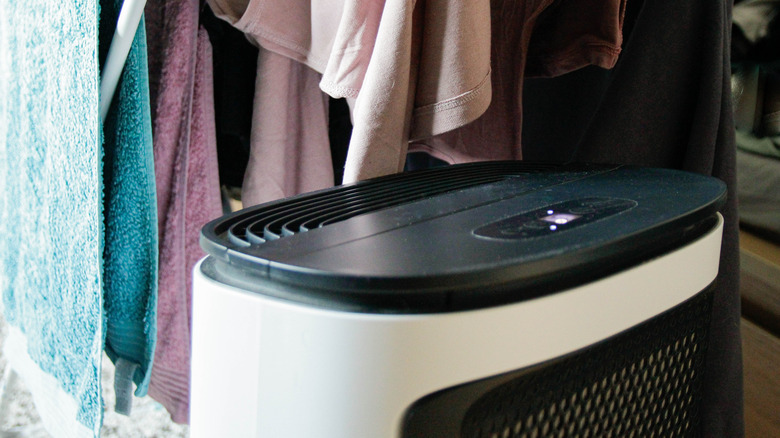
pixel 555 218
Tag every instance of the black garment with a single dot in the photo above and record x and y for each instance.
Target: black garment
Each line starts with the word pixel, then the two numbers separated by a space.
pixel 422 161
pixel 666 104
pixel 339 133
pixel 235 68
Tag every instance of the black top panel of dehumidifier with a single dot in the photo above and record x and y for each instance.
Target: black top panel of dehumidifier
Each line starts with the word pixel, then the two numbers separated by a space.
pixel 463 236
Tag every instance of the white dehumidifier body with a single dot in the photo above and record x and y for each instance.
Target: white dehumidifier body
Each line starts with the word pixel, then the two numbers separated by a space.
pixel 487 300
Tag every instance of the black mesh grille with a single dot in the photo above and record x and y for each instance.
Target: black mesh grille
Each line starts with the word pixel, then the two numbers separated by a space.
pixel 643 383
pixel 304 213
pixel 653 391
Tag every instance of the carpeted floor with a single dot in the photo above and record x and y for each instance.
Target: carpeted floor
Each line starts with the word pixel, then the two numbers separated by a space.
pixel 19 419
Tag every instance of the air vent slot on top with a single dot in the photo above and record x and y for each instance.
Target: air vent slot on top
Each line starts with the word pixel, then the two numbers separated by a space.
pixel 290 216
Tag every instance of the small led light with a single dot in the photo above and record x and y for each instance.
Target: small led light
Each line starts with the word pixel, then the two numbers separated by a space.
pixel 553 227
pixel 550 212
pixel 560 218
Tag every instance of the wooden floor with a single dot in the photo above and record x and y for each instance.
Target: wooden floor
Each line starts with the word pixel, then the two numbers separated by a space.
pixel 760 284
pixel 761 361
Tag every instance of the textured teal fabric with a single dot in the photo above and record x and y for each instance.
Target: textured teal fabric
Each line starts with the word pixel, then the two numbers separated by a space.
pixel 50 207
pixel 130 256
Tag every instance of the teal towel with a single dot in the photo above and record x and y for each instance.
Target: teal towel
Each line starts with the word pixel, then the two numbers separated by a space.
pixel 51 207
pixel 130 256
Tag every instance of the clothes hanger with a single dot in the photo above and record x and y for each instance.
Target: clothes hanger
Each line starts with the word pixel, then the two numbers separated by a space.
pixel 127 24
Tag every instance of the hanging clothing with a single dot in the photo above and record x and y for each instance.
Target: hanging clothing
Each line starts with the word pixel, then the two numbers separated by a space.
pixel 552 38
pixel 290 148
pixel 235 71
pixel 413 70
pixel 667 103
pixel 185 159
pixel 130 210
pixel 339 133
pixel 51 233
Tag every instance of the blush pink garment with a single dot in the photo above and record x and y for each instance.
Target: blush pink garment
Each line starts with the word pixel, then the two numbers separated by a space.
pixel 187 183
pixel 290 149
pixel 417 69
pixel 289 144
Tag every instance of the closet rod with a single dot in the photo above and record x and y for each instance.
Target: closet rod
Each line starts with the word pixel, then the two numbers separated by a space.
pixel 126 26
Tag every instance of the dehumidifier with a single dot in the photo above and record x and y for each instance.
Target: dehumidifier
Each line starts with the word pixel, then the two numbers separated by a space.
pixel 488 300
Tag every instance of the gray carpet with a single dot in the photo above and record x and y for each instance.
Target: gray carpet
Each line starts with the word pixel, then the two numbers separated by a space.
pixel 19 419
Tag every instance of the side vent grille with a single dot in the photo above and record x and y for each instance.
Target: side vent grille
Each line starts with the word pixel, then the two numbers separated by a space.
pixel 644 382
pixel 303 213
